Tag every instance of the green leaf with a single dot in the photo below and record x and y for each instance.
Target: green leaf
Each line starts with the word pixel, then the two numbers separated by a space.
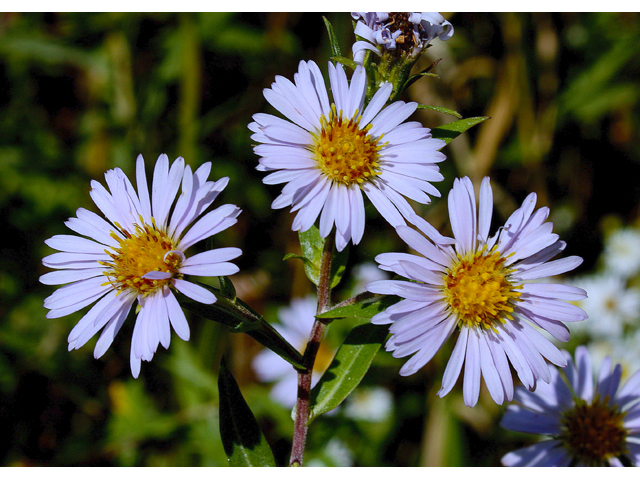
pixel 312 245
pixel 226 288
pixel 242 438
pixel 333 40
pixel 240 318
pixel 349 366
pixel 451 130
pixel 448 111
pixel 363 309
pixel 413 78
pixel 345 61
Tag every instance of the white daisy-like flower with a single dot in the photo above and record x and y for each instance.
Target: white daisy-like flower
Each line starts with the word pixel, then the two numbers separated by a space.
pixel 371 404
pixel 138 253
pixel 335 454
pixel 622 252
pixel 296 322
pixel 329 153
pixel 409 32
pixel 366 273
pixel 625 348
pixel 479 285
pixel 591 423
pixel 610 305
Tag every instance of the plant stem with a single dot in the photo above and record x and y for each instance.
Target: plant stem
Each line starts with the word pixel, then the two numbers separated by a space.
pixel 308 359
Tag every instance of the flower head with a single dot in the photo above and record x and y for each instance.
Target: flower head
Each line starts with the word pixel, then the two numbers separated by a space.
pixel 138 253
pixel 371 404
pixel 591 423
pixel 402 32
pixel 610 305
pixel 478 285
pixel 295 325
pixel 331 152
pixel 622 252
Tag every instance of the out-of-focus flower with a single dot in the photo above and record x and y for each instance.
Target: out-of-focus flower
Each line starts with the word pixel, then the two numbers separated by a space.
pixel 401 32
pixel 622 252
pixel 610 305
pixel 329 153
pixel 371 404
pixel 295 326
pixel 625 348
pixel 591 423
pixel 335 454
pixel 366 273
pixel 480 285
pixel 139 254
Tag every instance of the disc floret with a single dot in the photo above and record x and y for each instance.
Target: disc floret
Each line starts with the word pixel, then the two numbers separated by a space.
pixel 147 249
pixel 594 432
pixel 479 291
pixel 346 153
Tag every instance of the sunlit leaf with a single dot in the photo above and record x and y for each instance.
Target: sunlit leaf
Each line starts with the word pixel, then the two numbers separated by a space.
pixel 363 309
pixel 451 130
pixel 242 438
pixel 414 78
pixel 448 111
pixel 333 40
pixel 312 246
pixel 349 366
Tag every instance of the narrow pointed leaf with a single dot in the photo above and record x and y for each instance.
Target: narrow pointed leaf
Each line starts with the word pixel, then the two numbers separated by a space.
pixel 414 78
pixel 345 61
pixel 367 307
pixel 333 40
pixel 312 245
pixel 241 436
pixel 226 288
pixel 349 366
pixel 451 130
pixel 240 318
pixel 448 111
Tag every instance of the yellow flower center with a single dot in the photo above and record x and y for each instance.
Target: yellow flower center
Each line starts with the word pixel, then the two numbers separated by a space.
pixel 148 249
pixel 479 291
pixel 593 433
pixel 345 152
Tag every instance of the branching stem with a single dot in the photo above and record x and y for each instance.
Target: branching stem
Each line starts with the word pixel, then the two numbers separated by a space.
pixel 304 375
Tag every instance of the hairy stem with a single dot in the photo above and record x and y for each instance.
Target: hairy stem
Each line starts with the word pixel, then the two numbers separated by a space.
pixel 308 359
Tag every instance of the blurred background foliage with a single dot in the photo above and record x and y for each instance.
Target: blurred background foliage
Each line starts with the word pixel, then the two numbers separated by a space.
pixel 82 93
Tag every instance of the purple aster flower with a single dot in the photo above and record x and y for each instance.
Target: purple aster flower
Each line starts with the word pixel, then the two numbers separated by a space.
pixel 409 32
pixel 478 285
pixel 329 153
pixel 591 423
pixel 139 254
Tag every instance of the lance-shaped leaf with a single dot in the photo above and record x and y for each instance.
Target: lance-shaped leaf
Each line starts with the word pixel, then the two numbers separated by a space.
pixel 312 245
pixel 451 130
pixel 448 111
pixel 414 78
pixel 242 438
pixel 239 317
pixel 366 306
pixel 345 61
pixel 333 40
pixel 353 358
